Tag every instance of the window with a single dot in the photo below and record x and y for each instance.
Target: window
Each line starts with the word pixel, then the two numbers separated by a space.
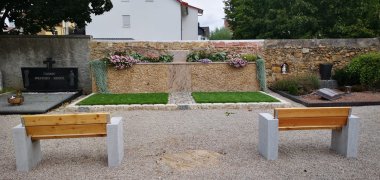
pixel 126 21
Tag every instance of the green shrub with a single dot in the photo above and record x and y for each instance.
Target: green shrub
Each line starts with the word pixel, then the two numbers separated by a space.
pixel 166 58
pixel 218 56
pixel 298 85
pixel 368 68
pixel 345 77
pixel 249 57
pixel 195 56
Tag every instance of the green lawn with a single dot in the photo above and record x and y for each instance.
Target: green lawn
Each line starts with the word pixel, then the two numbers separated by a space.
pixel 114 99
pixel 231 97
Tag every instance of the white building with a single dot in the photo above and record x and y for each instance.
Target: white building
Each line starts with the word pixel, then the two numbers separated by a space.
pixel 147 20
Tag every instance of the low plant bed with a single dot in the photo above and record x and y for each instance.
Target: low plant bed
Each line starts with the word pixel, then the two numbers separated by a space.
pixel 231 97
pixel 115 99
pixel 352 99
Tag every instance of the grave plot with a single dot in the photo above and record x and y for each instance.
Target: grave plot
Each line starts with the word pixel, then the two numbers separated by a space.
pixel 45 89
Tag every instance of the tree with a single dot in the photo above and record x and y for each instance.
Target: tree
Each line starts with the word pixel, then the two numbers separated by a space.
pixel 34 15
pixel 221 34
pixel 253 19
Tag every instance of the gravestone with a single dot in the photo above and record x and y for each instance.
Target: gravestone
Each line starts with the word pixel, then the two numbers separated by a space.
pixel 1 81
pixel 50 79
pixel 328 94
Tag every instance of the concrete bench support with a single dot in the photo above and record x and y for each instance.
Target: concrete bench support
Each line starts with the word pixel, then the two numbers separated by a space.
pixel 268 136
pixel 28 152
pixel 115 142
pixel 344 141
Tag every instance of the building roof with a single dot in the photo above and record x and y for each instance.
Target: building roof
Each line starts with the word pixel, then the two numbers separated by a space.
pixel 200 11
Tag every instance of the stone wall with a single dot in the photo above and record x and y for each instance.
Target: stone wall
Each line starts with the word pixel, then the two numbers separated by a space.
pixel 102 49
pixel 30 51
pixel 182 77
pixel 304 56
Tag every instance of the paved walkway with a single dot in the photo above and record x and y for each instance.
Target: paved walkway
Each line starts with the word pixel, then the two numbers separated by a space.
pixel 181 98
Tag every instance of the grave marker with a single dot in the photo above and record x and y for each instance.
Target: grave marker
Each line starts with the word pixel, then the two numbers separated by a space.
pixel 50 79
pixel 328 94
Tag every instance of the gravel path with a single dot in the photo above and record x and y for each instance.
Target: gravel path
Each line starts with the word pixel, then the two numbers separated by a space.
pixel 181 98
pixel 230 137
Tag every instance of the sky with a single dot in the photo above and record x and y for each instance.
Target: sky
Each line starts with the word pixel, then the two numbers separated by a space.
pixel 213 12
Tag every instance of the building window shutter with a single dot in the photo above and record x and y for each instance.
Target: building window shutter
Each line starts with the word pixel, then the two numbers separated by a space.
pixel 126 21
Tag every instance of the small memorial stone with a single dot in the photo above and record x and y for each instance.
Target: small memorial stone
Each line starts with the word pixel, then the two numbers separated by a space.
pixel 328 94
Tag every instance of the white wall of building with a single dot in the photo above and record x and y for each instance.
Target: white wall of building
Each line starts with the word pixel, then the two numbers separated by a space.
pixel 190 25
pixel 157 20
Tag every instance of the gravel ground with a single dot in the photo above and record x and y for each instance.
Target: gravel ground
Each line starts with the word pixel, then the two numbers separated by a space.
pixel 151 136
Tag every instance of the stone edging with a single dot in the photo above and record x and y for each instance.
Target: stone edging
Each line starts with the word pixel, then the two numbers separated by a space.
pixel 170 107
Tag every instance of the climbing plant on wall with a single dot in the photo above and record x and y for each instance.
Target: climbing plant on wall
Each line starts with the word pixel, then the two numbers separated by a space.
pixel 99 72
pixel 261 76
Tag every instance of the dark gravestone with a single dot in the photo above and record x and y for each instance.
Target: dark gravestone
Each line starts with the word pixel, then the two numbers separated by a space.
pixel 329 94
pixel 50 79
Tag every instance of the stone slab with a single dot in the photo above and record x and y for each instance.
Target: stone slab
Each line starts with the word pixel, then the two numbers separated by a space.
pixel 35 103
pixel 328 94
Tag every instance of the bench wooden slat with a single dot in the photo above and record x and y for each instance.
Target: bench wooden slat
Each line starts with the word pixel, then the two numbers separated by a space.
pixel 312 121
pixel 38 137
pixel 67 130
pixel 285 128
pixel 65 119
pixel 312 112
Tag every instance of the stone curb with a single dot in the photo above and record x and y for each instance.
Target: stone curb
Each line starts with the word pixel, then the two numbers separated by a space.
pixel 170 107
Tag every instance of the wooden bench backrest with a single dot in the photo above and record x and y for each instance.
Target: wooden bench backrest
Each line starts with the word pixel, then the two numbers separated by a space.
pixel 54 126
pixel 312 118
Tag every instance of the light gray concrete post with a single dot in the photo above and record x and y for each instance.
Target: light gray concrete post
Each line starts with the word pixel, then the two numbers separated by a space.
pixel 345 141
pixel 115 142
pixel 268 136
pixel 28 152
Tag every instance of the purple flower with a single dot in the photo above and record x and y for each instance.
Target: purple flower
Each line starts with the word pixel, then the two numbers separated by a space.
pixel 122 62
pixel 237 62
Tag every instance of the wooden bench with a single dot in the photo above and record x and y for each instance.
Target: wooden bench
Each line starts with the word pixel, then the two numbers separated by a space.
pixel 33 128
pixel 344 126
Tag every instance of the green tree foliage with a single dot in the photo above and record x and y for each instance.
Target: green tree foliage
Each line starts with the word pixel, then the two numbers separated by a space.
pixel 254 19
pixel 34 15
pixel 221 34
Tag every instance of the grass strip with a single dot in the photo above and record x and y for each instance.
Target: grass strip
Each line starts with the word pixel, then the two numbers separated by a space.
pixel 115 99
pixel 231 97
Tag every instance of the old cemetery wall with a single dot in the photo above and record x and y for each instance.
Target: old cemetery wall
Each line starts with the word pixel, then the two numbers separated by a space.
pixel 182 77
pixel 31 51
pixel 302 56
